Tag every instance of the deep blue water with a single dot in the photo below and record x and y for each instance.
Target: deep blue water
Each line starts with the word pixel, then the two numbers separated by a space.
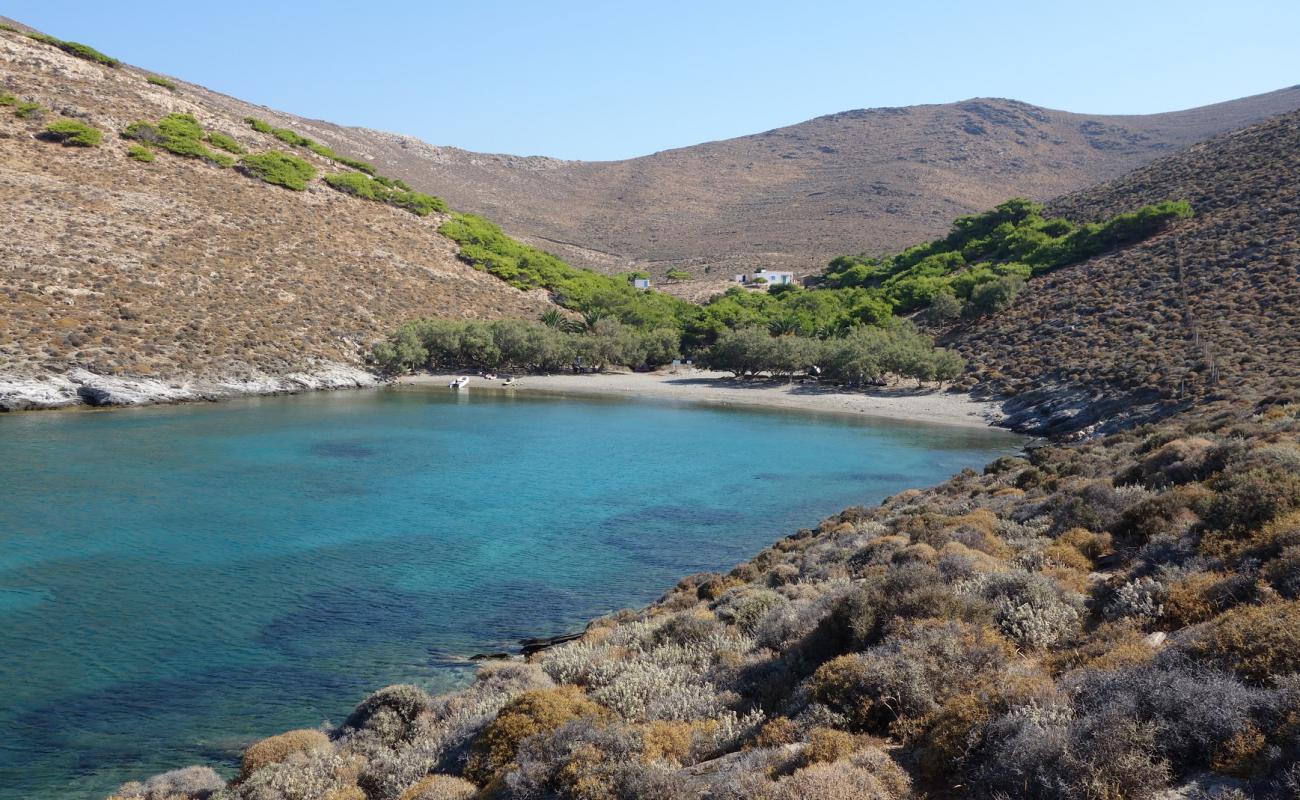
pixel 175 582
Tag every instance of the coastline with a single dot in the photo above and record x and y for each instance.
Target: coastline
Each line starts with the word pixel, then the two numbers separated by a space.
pixel 80 388
pixel 906 404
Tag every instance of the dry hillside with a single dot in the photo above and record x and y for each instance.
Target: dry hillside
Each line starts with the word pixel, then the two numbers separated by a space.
pixel 182 268
pixel 1207 307
pixel 873 180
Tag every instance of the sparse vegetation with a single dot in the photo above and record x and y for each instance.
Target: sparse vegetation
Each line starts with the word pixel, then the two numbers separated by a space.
pixel 279 169
pixel 76 49
pixel 298 140
pixel 363 186
pixel 158 80
pixel 72 133
pixel 179 134
pixel 140 153
pixel 8 100
pixel 225 143
pixel 29 111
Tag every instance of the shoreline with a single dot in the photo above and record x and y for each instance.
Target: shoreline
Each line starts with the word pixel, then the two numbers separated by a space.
pixel 80 388
pixel 904 404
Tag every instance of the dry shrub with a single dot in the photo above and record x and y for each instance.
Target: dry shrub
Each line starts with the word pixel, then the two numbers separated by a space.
pixel 440 787
pixel 1193 599
pixel 1169 513
pixel 778 731
pixel 1241 755
pixel 1091 545
pixel 276 749
pixel 538 711
pixel 390 712
pixel 189 783
pixel 668 741
pixel 1256 642
pixel 1112 646
pixel 826 745
pixel 869 774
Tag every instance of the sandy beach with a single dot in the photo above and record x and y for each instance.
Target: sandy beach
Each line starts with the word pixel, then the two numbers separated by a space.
pixel 720 388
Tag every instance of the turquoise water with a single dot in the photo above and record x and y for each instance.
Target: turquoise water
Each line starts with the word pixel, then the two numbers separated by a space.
pixel 175 582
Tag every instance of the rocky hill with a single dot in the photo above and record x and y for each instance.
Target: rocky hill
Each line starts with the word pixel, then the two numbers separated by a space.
pixel 872 180
pixel 1205 309
pixel 185 271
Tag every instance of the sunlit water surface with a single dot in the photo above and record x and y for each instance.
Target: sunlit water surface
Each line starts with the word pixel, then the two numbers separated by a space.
pixel 175 582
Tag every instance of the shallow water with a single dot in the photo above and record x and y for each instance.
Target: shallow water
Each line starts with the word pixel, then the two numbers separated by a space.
pixel 175 582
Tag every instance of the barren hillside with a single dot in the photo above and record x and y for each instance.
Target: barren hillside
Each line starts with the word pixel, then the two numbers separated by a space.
pixel 873 180
pixel 180 268
pixel 1208 307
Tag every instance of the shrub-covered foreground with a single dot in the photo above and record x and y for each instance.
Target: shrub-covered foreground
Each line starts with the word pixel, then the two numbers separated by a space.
pixel 1111 619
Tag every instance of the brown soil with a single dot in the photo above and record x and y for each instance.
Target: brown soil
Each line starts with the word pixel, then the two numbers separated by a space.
pixel 179 268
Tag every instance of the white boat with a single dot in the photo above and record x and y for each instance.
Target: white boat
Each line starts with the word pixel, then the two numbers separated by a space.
pixel 460 383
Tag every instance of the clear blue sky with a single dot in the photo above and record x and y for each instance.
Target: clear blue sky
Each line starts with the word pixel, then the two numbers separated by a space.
pixel 619 79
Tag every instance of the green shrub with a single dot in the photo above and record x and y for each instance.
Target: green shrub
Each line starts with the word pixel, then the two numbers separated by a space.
pixel 158 80
pixel 363 186
pixel 179 134
pixel 10 28
pixel 226 143
pixel 29 111
pixel 140 153
pixel 76 48
pixel 279 169
pixel 995 296
pixel 678 275
pixel 298 140
pixel 8 100
pixel 71 133
pixel 289 137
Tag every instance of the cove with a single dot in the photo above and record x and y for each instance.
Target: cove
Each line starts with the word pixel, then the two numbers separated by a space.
pixel 176 582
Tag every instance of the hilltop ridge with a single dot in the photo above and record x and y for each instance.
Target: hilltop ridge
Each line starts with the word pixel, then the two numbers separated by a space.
pixel 871 180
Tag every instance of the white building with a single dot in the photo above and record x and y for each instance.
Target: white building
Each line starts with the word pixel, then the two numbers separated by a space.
pixel 771 277
pixel 641 283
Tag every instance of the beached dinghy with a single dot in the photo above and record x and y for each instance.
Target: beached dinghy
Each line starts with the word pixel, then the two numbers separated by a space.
pixel 460 383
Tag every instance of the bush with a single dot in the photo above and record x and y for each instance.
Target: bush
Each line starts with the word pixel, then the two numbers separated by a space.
pixel 1251 496
pixel 179 134
pixel 71 133
pixel 531 713
pixel 158 80
pixel 8 100
pixel 278 169
pixel 276 749
pixel 365 187
pixel 226 143
pixel 140 153
pixel 189 783
pixel 391 711
pixel 440 787
pixel 868 775
pixel 76 49
pixel 1258 643
pixel 29 111
pixel 994 296
pixel 1032 609
pixel 944 308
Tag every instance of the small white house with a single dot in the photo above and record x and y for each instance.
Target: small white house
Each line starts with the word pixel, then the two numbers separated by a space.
pixel 771 277
pixel 641 283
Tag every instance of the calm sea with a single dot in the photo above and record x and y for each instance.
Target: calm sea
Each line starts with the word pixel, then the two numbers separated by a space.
pixel 176 582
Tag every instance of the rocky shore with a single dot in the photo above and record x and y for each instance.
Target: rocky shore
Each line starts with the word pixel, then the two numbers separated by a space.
pixel 80 387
